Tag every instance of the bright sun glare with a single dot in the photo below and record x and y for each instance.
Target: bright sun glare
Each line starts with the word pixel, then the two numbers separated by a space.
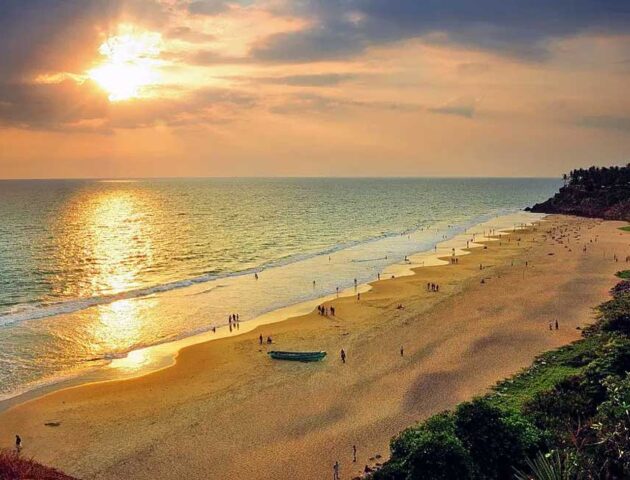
pixel 130 64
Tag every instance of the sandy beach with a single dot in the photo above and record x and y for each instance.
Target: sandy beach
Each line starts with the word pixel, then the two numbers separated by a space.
pixel 225 410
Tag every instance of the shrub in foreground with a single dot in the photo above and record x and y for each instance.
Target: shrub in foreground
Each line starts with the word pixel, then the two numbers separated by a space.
pixel 16 467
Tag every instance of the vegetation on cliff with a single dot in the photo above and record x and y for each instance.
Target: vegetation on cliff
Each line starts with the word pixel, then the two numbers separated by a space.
pixel 567 417
pixel 594 192
pixel 14 466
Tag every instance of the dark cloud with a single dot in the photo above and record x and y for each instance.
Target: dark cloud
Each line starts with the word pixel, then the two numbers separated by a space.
pixel 50 106
pixel 313 103
pixel 606 122
pixel 510 27
pixel 62 35
pixel 208 7
pixel 458 108
pixel 72 106
pixel 315 80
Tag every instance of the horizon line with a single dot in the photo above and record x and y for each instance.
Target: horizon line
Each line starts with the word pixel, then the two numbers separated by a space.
pixel 226 177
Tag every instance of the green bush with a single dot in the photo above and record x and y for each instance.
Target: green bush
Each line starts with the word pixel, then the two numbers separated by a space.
pixel 611 454
pixel 496 440
pixel 407 441
pixel 625 274
pixel 562 411
pixel 429 450
pixel 440 456
pixel 615 314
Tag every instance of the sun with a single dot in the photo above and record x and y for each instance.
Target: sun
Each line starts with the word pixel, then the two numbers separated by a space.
pixel 130 65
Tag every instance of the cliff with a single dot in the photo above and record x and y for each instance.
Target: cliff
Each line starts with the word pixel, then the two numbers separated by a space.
pixel 594 192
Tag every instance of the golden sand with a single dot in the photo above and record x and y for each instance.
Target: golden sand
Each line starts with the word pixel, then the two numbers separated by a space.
pixel 225 410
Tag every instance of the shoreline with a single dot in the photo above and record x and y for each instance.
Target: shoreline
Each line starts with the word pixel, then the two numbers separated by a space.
pixel 154 358
pixel 225 409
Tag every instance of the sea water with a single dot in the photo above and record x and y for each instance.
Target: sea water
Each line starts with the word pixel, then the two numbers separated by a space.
pixel 92 270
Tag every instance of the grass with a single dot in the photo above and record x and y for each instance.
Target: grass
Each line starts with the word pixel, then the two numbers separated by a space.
pixel 547 370
pixel 15 466
pixel 625 274
pixel 625 229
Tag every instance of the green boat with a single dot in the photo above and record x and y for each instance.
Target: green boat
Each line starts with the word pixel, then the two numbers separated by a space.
pixel 297 356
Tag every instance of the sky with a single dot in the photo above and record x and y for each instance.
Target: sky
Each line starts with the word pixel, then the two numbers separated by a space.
pixel 167 88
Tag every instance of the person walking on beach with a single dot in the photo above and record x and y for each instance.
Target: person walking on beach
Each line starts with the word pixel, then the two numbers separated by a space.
pixel 343 355
pixel 358 297
pixel 402 351
pixel 557 324
pixel 354 453
pixel 18 443
pixel 332 311
pixel 256 276
pixel 260 339
pixel 336 471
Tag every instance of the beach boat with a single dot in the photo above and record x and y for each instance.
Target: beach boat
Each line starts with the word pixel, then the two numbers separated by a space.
pixel 297 356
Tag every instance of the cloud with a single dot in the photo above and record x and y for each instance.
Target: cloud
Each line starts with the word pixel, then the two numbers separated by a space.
pixel 190 35
pixel 508 27
pixel 212 57
pixel 61 35
pixel 313 103
pixel 50 106
pixel 605 122
pixel 314 80
pixel 71 106
pixel 208 7
pixel 459 107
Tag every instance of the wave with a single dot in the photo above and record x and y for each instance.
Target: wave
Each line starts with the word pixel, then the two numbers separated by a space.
pixel 23 313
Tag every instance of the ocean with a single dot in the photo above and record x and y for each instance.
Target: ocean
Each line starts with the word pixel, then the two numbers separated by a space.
pixel 91 270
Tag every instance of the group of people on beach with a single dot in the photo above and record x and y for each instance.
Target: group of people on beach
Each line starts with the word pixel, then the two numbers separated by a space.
pixel 325 311
pixel 433 287
pixel 234 321
pixel 260 340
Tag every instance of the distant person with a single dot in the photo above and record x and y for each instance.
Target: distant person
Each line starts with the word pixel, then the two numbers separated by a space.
pixel 18 443
pixel 343 355
pixel 358 297
pixel 332 311
pixel 336 471
pixel 557 326
pixel 269 341
pixel 402 351
pixel 260 339
pixel 354 453
pixel 256 276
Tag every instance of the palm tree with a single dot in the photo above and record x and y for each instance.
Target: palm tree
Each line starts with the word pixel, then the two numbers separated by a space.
pixel 547 467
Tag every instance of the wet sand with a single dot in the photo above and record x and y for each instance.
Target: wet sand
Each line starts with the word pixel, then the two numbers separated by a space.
pixel 225 410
